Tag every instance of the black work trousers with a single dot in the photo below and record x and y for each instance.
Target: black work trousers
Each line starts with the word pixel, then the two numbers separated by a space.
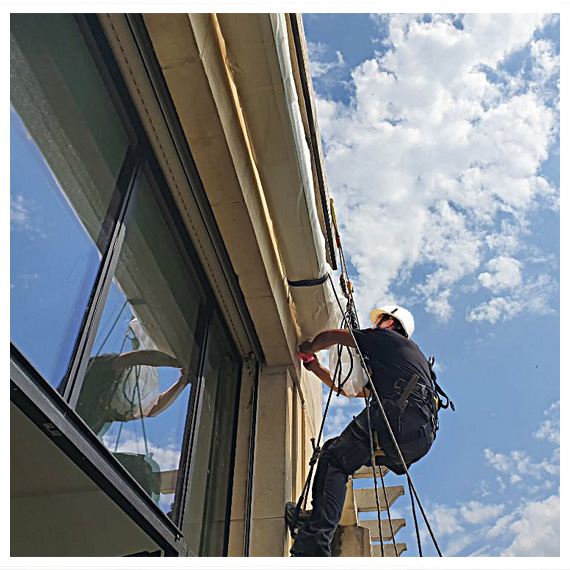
pixel 342 456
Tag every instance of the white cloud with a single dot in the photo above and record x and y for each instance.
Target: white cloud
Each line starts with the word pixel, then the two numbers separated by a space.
pixel 517 464
pixel 476 529
pixel 518 526
pixel 18 211
pixel 549 429
pixel 484 489
pixel 506 274
pixel 501 483
pixel 24 216
pixel 446 520
pixel 531 296
pixel 475 512
pixel 520 468
pixel 432 160
pixel 537 531
pixel 498 308
pixel 167 456
pixel 498 461
pixel 546 61
pixel 319 68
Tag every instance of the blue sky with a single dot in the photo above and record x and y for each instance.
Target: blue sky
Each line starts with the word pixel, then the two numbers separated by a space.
pixel 441 137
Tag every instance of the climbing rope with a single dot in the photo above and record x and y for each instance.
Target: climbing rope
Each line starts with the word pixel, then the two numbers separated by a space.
pixel 136 392
pixel 347 290
pixel 351 319
pixel 302 502
pixel 389 430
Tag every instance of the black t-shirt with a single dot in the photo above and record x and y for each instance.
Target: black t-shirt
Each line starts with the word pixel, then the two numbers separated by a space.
pixel 99 386
pixel 391 356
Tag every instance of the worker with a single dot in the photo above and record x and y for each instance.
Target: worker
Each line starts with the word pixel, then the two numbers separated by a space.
pixel 393 361
pixel 113 389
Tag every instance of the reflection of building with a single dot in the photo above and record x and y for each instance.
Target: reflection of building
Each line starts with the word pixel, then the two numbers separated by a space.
pixel 164 167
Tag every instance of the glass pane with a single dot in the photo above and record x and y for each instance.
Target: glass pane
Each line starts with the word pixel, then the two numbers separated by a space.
pixel 67 146
pixel 144 360
pixel 207 514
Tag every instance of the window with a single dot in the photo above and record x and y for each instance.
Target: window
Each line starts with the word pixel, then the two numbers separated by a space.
pixel 207 511
pixel 144 362
pixel 105 283
pixel 67 148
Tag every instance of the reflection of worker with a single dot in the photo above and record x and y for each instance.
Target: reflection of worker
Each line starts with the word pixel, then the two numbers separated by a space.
pixel 116 388
pixel 394 360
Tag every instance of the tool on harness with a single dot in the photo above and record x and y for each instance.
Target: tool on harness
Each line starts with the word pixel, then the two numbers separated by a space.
pixel 403 399
pixel 316 452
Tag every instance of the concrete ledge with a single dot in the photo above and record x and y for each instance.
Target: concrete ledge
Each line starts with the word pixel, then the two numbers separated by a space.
pixel 365 472
pixel 366 499
pixel 372 525
pixel 389 549
pixel 351 541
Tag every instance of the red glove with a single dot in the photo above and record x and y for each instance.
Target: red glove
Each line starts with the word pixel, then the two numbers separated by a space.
pixel 306 357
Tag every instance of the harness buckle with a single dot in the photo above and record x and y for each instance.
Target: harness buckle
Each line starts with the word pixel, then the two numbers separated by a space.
pixel 400 383
pixel 408 389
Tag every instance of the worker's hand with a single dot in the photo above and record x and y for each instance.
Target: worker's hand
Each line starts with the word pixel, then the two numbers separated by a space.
pixel 306 347
pixel 184 378
pixel 312 364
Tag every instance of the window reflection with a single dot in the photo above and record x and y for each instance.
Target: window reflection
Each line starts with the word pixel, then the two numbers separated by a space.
pixel 68 153
pixel 141 372
pixel 67 147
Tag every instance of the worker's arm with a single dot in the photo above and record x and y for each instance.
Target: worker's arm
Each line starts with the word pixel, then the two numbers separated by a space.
pixel 159 403
pixel 326 339
pixel 325 376
pixel 143 358
pixel 168 396
pixel 321 372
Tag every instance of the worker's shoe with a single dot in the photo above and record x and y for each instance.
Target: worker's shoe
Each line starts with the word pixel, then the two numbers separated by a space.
pixel 293 524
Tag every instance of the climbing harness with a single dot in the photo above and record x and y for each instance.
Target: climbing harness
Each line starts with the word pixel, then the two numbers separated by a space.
pixel 409 389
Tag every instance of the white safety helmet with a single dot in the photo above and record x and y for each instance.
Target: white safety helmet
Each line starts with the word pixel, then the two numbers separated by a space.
pixel 403 316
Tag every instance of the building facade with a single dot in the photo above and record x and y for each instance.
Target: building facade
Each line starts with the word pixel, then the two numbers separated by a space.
pixel 168 208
